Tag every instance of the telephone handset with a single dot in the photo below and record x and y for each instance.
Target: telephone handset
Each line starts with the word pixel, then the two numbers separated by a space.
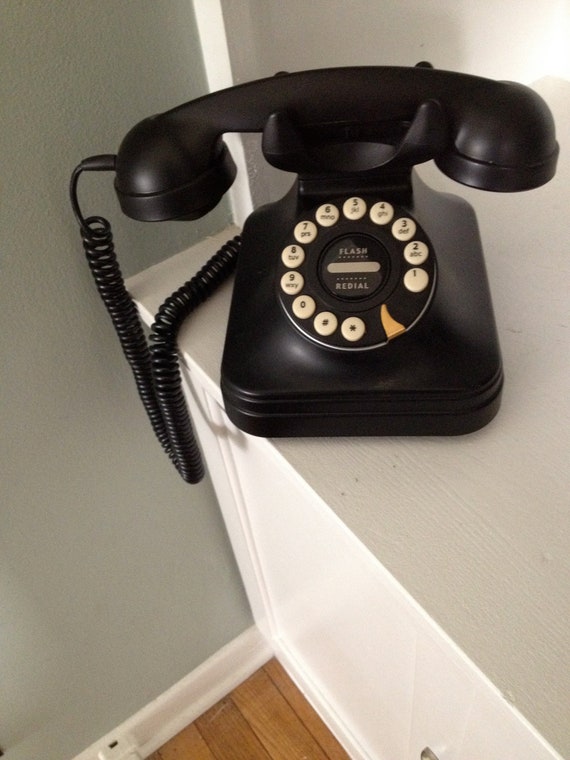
pixel 360 304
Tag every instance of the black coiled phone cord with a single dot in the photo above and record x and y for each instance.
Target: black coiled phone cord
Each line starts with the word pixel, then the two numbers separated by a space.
pixel 154 363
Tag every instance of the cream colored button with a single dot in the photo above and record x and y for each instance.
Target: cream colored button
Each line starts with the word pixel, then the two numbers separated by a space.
pixel 292 283
pixel 293 256
pixel 327 215
pixel 354 208
pixel 353 329
pixel 416 252
pixel 404 228
pixel 305 232
pixel 325 323
pixel 304 307
pixel 382 213
pixel 416 280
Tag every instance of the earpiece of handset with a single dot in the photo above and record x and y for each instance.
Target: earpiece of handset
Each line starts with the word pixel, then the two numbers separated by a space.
pixel 170 171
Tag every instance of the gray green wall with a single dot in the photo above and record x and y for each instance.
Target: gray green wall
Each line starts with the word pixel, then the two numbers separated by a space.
pixel 116 578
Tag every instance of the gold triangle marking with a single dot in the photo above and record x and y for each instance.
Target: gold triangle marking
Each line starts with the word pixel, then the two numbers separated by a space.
pixel 390 325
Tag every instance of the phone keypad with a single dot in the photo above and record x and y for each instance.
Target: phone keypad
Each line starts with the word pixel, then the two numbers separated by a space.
pixel 356 273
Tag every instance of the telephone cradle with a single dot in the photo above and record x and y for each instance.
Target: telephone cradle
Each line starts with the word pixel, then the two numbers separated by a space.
pixel 443 376
pixel 360 304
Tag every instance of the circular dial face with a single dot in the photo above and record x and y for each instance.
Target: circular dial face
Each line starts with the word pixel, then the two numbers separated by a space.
pixel 354 266
pixel 355 273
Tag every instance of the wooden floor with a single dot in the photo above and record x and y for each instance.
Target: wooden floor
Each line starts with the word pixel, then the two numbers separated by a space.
pixel 265 718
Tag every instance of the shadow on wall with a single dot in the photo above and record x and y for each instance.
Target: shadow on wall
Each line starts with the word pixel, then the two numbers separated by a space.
pixel 318 35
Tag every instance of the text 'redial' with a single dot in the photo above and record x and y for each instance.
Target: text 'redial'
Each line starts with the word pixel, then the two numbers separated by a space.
pixel 354 266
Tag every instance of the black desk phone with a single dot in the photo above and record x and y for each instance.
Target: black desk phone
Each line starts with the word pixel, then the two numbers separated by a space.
pixel 360 304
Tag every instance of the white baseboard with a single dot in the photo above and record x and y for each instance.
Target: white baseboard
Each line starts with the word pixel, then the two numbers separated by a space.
pixel 164 717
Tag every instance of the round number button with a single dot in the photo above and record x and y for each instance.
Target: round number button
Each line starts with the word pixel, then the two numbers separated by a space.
pixel 327 215
pixel 382 213
pixel 416 252
pixel 353 329
pixel 416 280
pixel 305 232
pixel 304 307
pixel 404 228
pixel 293 256
pixel 354 208
pixel 292 283
pixel 325 323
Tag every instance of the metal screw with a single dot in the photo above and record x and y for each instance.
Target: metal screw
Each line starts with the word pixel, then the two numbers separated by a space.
pixel 427 754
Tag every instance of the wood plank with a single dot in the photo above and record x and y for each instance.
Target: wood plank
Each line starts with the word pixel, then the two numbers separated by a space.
pixel 187 745
pixel 306 713
pixel 228 734
pixel 274 721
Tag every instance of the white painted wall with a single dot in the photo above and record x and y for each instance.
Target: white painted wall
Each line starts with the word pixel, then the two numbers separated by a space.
pixel 116 578
pixel 507 40
pixel 496 574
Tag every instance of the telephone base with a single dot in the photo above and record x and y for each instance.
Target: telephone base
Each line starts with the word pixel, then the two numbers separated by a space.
pixel 442 377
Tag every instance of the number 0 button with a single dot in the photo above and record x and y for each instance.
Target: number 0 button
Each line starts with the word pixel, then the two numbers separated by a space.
pixel 304 307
